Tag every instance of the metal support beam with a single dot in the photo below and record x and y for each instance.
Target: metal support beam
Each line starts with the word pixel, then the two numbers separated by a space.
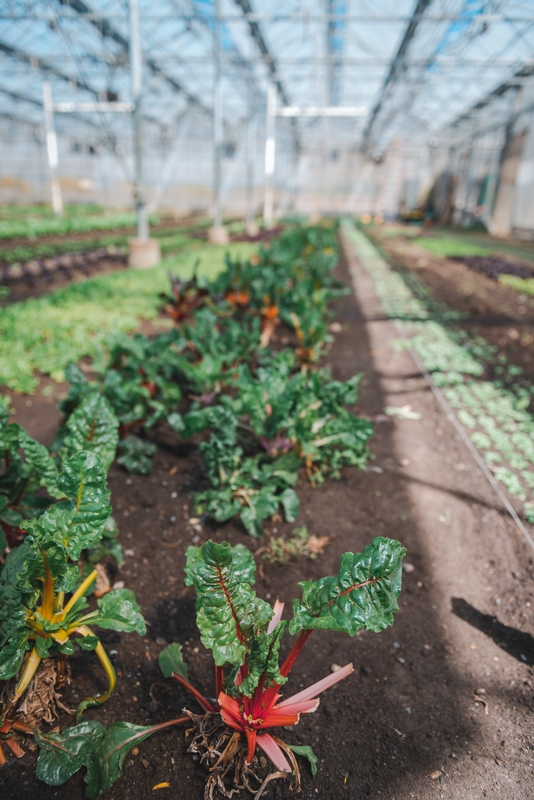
pixel 83 108
pixel 322 111
pixel 398 66
pixel 51 149
pixel 218 130
pixel 303 16
pixel 136 77
pixel 45 67
pixel 270 148
pixel 269 60
pixel 251 153
pixel 106 29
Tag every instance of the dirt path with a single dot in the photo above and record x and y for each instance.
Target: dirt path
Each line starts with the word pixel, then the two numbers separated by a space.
pixel 407 724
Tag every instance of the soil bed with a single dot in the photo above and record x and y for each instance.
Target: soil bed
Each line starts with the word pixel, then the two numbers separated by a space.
pixel 412 721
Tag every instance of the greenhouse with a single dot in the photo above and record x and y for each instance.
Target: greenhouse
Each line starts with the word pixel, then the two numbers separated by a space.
pixel 266 399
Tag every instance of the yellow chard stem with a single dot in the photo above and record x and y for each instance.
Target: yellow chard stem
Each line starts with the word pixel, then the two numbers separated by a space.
pixel 29 671
pixel 108 669
pixel 47 602
pixel 80 591
pixel 60 599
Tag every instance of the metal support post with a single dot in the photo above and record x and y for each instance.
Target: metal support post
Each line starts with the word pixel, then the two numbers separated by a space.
pixel 51 149
pixel 270 148
pixel 136 77
pixel 217 122
pixel 251 147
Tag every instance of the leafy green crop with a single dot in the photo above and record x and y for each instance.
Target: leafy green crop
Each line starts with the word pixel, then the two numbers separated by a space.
pixel 45 334
pixel 290 420
pixel 43 609
pixel 28 466
pixel 525 285
pixel 244 634
pixel 39 226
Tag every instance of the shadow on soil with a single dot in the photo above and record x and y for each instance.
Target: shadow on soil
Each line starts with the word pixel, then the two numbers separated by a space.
pixel 516 643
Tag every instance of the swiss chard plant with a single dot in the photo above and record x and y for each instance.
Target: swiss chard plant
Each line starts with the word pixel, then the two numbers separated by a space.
pixel 276 412
pixel 254 488
pixel 25 467
pixel 186 296
pixel 244 634
pixel 141 387
pixel 44 613
pixel 29 470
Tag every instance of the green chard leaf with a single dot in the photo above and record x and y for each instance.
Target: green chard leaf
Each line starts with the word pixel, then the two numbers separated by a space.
pixel 135 455
pixel 306 751
pixel 118 610
pixel 79 520
pixel 362 595
pixel 12 653
pixel 63 754
pixel 263 660
pixel 106 766
pixel 228 611
pixel 39 458
pixel 93 427
pixel 170 660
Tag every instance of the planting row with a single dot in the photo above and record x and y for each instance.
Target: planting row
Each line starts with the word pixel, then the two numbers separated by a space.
pixel 261 413
pixel 492 397
pixel 42 226
pixel 64 266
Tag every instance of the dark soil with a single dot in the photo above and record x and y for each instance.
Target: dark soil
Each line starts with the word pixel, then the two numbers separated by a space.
pixel 45 275
pixel 411 721
pixel 493 266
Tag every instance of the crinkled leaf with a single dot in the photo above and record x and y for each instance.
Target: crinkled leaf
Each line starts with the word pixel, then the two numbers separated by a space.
pixel 306 751
pixel 108 545
pixel 263 660
pixel 170 660
pixel 42 463
pixel 118 610
pixel 228 611
pixel 252 522
pixel 70 580
pixel 93 427
pixel 135 455
pixel 78 521
pixel 243 564
pixel 12 653
pixel 362 595
pixel 63 754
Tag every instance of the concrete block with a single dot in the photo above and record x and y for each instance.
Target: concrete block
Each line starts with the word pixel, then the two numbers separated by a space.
pixel 143 253
pixel 218 235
